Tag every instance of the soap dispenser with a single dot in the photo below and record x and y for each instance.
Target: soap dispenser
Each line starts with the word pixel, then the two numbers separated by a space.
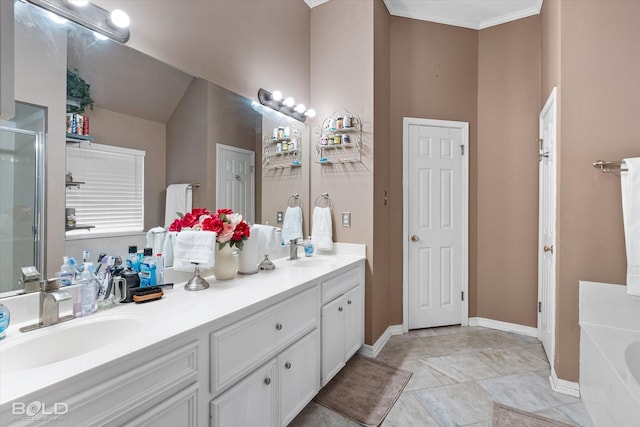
pixel 4 320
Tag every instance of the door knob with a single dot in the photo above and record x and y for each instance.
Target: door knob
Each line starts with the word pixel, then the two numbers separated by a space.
pixel 414 238
pixel 548 248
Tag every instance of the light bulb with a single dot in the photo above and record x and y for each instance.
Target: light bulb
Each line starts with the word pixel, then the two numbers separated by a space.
pixel 99 36
pixel 78 3
pixel 300 108
pixel 289 102
pixel 119 18
pixel 311 113
pixel 276 95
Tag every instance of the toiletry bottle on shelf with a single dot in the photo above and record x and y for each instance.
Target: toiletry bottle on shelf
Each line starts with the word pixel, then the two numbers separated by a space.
pixel 308 247
pixel 5 317
pixel 87 290
pixel 67 272
pixel 132 258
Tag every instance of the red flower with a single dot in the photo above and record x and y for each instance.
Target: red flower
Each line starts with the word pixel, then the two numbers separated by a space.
pixel 225 211
pixel 198 212
pixel 242 231
pixel 189 220
pixel 175 225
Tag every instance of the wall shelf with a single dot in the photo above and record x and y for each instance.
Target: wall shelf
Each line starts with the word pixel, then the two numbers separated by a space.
pixel 349 147
pixel 282 152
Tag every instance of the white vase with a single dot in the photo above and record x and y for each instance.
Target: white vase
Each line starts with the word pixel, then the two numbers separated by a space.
pixel 226 264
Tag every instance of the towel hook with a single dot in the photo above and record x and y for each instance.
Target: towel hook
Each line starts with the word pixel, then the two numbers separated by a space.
pixel 325 197
pixel 294 200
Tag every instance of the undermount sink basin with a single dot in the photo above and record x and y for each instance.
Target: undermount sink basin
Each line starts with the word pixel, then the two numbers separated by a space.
pixel 66 340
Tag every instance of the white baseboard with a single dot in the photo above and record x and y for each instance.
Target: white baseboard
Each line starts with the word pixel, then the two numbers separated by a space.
pixel 373 350
pixel 503 326
pixel 563 386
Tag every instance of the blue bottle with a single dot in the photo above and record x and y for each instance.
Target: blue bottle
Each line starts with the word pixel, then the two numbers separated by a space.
pixel 5 318
pixel 308 247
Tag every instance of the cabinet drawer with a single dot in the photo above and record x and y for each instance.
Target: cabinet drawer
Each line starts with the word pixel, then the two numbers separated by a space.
pixel 241 347
pixel 339 284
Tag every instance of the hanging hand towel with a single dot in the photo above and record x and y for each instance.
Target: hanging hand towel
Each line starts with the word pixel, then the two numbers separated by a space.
pixel 322 234
pixel 194 247
pixel 630 183
pixel 179 199
pixel 155 239
pixel 292 225
pixel 169 247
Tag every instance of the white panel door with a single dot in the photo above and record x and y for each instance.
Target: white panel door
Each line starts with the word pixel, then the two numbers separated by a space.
pixel 436 219
pixel 235 180
pixel 547 226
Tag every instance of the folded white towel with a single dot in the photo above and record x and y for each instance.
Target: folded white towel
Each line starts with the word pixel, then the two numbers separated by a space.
pixel 179 199
pixel 169 247
pixel 322 233
pixel 155 239
pixel 194 247
pixel 292 224
pixel 630 183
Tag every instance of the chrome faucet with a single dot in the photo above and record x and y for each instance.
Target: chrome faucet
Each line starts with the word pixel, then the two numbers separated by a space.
pixel 293 249
pixel 50 298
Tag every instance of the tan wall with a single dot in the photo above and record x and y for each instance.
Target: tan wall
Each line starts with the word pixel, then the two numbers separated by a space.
pixel 387 303
pixel 434 74
pixel 600 102
pixel 507 172
pixel 342 77
pixel 121 130
pixel 241 45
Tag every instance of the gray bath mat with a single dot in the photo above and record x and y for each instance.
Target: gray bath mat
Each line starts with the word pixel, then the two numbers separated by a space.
pixel 506 416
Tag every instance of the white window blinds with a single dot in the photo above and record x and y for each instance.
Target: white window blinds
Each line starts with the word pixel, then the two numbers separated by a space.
pixel 112 196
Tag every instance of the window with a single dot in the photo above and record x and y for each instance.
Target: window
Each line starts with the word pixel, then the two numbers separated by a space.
pixel 111 197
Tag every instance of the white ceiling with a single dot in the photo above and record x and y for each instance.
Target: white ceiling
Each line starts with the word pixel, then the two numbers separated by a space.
pixel 474 14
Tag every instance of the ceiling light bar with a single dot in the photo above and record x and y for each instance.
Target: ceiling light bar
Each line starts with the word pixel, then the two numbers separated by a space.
pixel 89 16
pixel 285 105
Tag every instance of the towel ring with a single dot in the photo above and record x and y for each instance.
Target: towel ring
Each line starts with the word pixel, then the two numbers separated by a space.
pixel 323 197
pixel 294 200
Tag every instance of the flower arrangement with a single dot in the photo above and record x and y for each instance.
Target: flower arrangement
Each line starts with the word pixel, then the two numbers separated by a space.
pixel 230 226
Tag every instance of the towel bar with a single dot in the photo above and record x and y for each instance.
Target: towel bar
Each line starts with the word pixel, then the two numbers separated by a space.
pixel 605 166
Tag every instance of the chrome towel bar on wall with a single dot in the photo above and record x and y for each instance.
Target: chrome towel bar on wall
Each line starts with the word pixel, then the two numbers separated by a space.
pixel 605 166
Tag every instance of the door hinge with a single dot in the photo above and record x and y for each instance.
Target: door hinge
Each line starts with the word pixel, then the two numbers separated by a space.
pixel 462 149
pixel 539 306
pixel 540 142
pixel 462 295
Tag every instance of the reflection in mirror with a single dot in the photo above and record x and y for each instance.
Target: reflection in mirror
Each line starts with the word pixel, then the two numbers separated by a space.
pixel 21 194
pixel 144 104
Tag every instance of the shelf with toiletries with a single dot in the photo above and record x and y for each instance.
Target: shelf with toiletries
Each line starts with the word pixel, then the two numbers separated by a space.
pixel 340 138
pixel 282 149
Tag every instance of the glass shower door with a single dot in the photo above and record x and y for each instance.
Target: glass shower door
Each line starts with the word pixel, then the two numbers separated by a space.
pixel 21 200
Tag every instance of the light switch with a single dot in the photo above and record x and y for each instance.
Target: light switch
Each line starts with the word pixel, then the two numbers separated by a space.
pixel 346 219
pixel 279 217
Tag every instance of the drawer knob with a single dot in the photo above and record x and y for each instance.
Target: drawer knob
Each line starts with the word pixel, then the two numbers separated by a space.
pixel 340 308
pixel 348 301
pixel 278 326
pixel 267 381
pixel 287 365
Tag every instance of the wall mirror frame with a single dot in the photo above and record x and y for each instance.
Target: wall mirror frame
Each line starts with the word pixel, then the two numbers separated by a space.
pixel 175 153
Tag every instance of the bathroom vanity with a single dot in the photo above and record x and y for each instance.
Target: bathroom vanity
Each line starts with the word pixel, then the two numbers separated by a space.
pixel 253 350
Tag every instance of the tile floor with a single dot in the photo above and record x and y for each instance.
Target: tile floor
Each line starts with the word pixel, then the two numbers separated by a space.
pixel 457 373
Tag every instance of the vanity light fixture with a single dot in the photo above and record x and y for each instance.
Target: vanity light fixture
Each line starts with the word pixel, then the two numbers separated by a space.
pixel 286 106
pixel 111 24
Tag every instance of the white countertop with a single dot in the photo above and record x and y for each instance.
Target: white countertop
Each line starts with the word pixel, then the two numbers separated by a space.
pixel 176 313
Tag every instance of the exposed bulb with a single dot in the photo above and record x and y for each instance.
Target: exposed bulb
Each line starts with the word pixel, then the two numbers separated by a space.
pixel 119 18
pixel 276 95
pixel 289 102
pixel 311 113
pixel 300 108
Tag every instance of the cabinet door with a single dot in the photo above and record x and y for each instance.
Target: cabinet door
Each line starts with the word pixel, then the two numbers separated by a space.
pixel 252 402
pixel 333 349
pixel 299 368
pixel 354 322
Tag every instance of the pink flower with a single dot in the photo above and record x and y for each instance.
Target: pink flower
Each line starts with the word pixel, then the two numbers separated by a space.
pixel 227 232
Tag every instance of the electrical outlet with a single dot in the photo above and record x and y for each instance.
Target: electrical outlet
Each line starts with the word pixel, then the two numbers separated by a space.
pixel 346 219
pixel 279 217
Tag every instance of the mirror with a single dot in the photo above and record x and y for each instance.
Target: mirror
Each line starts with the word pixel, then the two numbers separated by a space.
pixel 142 103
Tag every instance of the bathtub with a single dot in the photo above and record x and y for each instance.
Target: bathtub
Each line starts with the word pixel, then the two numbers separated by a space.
pixel 610 354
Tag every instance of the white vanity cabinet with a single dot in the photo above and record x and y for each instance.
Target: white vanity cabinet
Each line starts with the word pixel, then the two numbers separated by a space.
pixel 266 368
pixel 342 320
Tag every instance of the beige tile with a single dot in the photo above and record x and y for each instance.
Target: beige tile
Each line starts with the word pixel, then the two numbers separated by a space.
pixel 317 415
pixel 456 404
pixel 513 360
pixel 423 375
pixel 462 367
pixel 407 411
pixel 536 350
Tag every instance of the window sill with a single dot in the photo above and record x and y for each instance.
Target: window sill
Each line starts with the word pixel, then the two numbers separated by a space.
pixel 104 235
